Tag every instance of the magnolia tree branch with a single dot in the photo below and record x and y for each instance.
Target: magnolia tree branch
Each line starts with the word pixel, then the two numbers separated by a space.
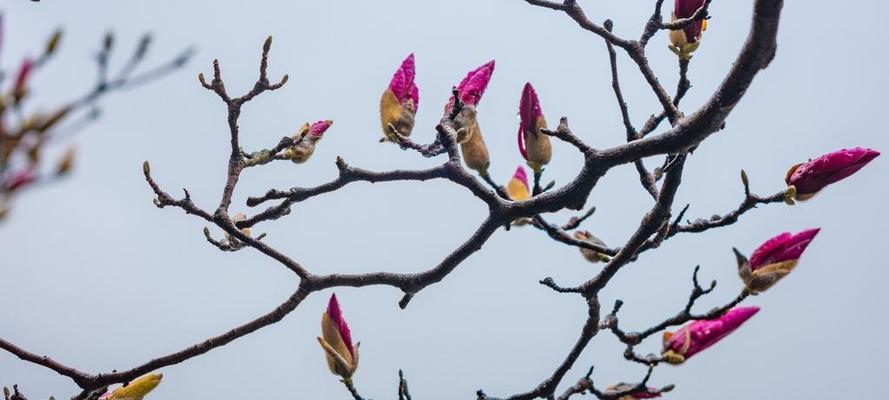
pixel 657 225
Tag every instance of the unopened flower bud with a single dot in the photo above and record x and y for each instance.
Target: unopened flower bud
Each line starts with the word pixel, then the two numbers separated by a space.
pixel 400 101
pixel 685 41
pixel 699 335
pixel 136 389
pixel 773 260
pixel 533 144
pixel 471 90
pixel 336 340
pixel 21 80
pixel 306 138
pixel 810 177
pixel 517 187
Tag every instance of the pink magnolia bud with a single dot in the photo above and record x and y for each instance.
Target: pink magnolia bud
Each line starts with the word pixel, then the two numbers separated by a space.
pixel 471 89
pixel 307 137
pixel 336 340
pixel 20 179
pixel 473 86
pixel 21 80
pixel 685 41
pixel 697 336
pixel 810 177
pixel 517 188
pixel 400 100
pixel 773 260
pixel 318 128
pixel 534 145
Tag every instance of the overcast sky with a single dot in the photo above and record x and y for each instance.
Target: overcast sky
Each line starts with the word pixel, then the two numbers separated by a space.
pixel 97 277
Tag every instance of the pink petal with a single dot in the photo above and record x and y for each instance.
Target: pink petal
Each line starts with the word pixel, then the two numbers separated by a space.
pixel 529 108
pixel 521 137
pixel 521 176
pixel 402 83
pixel 783 247
pixel 473 86
pixel 318 128
pixel 685 9
pixel 336 315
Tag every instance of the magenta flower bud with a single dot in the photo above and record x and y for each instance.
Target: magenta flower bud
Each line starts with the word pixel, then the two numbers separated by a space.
pixel 697 336
pixel 685 41
pixel 21 80
pixel 318 128
pixel 306 139
pixel 20 179
pixel 400 101
pixel 336 340
pixel 471 89
pixel 473 86
pixel 402 84
pixel 773 260
pixel 533 145
pixel 784 247
pixel 810 177
pixel 517 187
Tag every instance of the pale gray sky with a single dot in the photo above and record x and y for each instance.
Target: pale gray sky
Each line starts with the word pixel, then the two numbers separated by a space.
pixel 97 277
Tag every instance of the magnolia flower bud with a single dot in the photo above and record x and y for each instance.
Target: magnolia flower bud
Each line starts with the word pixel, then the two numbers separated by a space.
pixel 473 85
pixel 697 336
pixel 773 260
pixel 306 138
pixel 336 340
pixel 21 80
pixel 533 144
pixel 810 177
pixel 471 90
pixel 685 41
pixel 517 187
pixel 475 152
pixel 400 101
pixel 135 389
pixel 588 254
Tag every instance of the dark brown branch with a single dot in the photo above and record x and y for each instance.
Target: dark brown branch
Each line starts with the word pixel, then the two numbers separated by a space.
pixel 204 346
pixel 652 221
